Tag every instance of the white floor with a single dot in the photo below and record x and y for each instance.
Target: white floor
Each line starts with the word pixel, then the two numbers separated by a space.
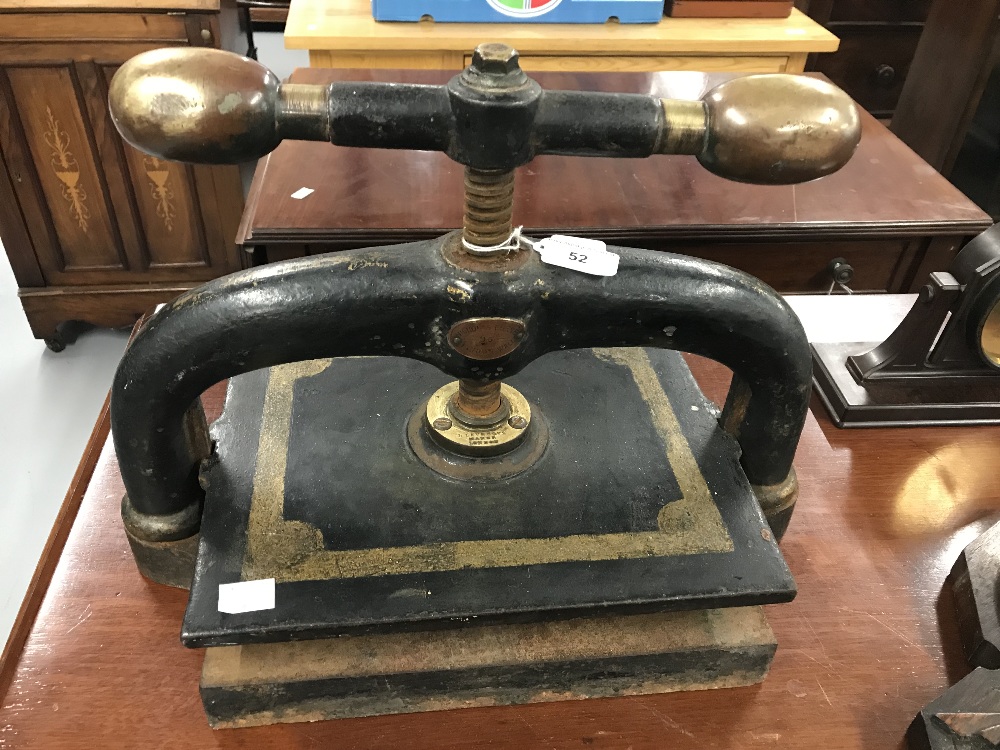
pixel 272 53
pixel 48 405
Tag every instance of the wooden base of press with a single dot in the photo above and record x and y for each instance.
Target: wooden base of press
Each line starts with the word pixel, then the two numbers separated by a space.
pixel 590 657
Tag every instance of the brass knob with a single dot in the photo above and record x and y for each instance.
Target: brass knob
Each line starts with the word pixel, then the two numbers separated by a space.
pixel 766 129
pixel 841 272
pixel 210 107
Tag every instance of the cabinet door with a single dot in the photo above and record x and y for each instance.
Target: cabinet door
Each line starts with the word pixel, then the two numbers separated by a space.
pixel 98 211
pixel 872 63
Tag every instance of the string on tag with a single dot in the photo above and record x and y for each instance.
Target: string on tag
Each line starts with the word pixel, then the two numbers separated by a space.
pixel 513 242
pixel 841 285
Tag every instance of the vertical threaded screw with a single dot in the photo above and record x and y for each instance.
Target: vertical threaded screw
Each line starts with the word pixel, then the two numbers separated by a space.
pixel 489 206
pixel 477 399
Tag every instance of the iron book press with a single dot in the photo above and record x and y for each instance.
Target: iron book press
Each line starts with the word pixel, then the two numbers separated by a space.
pixel 473 470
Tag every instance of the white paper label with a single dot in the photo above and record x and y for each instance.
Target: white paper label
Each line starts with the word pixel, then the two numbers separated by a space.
pixel 302 192
pixel 578 254
pixel 246 596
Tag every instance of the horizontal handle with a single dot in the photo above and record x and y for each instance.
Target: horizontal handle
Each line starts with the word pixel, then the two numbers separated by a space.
pixel 210 106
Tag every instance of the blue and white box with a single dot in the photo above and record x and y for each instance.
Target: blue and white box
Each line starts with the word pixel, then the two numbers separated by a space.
pixel 519 11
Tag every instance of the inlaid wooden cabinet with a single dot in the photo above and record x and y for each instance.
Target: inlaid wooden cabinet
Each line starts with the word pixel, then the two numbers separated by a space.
pixel 95 230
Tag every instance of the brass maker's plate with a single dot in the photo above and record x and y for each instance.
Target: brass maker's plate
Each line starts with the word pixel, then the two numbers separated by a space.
pixel 447 428
pixel 486 338
pixel 484 452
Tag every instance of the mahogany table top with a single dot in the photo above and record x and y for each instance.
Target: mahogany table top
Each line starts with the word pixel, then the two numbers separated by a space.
pixel 885 190
pixel 869 640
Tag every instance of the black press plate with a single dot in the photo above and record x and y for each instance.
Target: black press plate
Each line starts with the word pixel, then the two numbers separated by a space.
pixel 361 536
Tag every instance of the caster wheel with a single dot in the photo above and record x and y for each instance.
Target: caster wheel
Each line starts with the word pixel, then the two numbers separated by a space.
pixel 55 343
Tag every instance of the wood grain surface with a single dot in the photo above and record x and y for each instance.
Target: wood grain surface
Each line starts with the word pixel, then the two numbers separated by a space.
pixel 869 640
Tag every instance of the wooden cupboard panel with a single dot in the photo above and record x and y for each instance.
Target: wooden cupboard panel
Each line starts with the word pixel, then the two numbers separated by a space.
pixel 93 27
pixel 48 102
pixel 219 191
pixel 878 39
pixel 164 192
pixel 874 11
pixel 25 227
pixel 48 53
pixel 146 220
pixel 872 63
pixel 111 157
pixel 145 225
pixel 15 239
pixel 164 197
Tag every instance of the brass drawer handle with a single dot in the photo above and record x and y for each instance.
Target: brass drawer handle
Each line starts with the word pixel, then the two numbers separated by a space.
pixel 841 274
pixel 885 75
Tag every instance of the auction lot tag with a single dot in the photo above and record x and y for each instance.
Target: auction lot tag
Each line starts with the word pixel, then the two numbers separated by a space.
pixel 578 254
pixel 246 596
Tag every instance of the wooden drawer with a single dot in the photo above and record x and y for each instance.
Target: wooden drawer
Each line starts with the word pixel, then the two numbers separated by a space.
pixel 879 265
pixel 802 266
pixel 80 27
pixel 889 11
pixel 872 63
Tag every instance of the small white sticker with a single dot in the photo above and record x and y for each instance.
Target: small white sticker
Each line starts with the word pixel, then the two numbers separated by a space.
pixel 302 192
pixel 578 254
pixel 246 596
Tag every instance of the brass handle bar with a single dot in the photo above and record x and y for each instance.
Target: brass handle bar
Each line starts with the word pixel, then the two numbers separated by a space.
pixel 210 106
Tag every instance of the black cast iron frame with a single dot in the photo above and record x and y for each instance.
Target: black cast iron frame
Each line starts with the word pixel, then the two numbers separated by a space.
pixel 401 301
